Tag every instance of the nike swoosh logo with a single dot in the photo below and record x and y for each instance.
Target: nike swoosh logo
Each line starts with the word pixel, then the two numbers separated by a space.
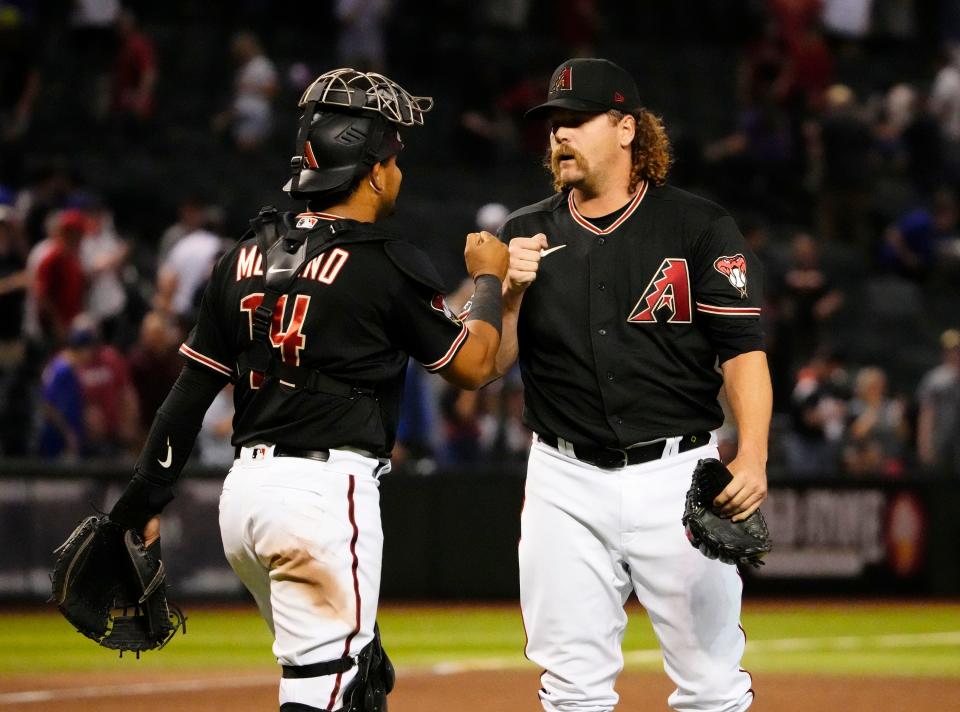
pixel 279 269
pixel 169 461
pixel 544 253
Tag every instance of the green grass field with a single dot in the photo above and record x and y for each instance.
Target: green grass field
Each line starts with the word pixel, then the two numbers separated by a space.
pixel 876 639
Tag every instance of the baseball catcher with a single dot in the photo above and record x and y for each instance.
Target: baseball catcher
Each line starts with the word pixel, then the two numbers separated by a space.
pixel 112 588
pixel 313 316
pixel 744 542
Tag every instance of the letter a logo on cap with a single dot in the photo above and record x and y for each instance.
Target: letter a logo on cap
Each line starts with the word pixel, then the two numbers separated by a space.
pixel 564 81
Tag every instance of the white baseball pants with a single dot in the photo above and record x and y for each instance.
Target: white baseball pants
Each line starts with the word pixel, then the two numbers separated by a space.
pixel 588 538
pixel 305 538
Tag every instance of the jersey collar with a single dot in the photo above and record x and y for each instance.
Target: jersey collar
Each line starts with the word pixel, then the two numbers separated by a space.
pixel 323 216
pixel 584 222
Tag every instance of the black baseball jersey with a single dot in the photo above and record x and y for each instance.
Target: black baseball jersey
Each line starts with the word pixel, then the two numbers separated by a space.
pixel 354 314
pixel 621 333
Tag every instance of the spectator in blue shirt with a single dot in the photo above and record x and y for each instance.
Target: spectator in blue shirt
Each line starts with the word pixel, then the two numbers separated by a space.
pixel 62 432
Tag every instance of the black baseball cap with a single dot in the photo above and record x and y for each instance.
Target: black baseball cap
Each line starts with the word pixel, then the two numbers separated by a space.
pixel 589 84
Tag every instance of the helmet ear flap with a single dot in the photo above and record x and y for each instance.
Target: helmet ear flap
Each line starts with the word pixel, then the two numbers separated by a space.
pixel 301 161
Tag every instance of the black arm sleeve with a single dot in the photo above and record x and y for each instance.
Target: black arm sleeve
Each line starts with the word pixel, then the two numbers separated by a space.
pixel 168 446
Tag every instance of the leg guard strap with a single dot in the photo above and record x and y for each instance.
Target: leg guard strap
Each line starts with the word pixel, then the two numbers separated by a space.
pixel 330 667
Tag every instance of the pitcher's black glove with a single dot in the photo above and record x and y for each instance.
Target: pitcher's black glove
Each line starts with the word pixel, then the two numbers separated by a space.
pixel 731 542
pixel 112 588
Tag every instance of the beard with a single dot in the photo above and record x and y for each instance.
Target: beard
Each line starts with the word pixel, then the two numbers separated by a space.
pixel 389 208
pixel 551 162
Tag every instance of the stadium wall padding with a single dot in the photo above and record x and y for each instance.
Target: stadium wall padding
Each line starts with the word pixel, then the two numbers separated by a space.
pixel 453 536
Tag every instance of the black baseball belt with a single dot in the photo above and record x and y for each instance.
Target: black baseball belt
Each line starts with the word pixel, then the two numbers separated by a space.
pixel 609 458
pixel 321 455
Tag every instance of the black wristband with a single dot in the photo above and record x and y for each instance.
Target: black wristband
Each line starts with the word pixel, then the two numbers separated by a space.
pixel 487 302
pixel 139 502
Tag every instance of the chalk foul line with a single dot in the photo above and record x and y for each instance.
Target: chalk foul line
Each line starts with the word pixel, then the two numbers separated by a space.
pixel 841 643
pixel 136 688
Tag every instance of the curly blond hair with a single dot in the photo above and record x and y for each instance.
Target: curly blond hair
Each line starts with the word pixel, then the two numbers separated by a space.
pixel 652 154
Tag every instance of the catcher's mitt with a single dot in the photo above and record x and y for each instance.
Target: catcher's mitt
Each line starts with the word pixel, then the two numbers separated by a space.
pixel 112 588
pixel 731 542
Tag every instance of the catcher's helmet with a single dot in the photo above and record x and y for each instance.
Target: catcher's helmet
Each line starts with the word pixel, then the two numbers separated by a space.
pixel 350 122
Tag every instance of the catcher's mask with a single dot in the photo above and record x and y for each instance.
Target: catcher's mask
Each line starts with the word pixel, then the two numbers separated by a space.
pixel 350 122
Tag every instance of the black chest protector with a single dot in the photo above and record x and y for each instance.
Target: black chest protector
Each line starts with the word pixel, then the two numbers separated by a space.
pixel 287 249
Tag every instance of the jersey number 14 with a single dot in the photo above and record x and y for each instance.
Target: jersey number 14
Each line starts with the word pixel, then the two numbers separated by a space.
pixel 289 340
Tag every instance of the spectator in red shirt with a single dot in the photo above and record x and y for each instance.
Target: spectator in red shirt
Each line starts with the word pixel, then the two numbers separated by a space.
pixel 134 71
pixel 111 417
pixel 154 365
pixel 794 17
pixel 518 99
pixel 813 68
pixel 59 286
pixel 577 23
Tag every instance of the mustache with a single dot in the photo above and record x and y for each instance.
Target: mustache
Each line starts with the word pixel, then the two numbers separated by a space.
pixel 552 158
pixel 561 152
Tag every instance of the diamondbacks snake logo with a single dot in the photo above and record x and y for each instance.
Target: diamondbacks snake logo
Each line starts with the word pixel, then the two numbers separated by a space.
pixel 735 270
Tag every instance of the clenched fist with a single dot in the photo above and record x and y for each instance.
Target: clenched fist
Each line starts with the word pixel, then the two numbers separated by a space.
pixel 524 261
pixel 485 254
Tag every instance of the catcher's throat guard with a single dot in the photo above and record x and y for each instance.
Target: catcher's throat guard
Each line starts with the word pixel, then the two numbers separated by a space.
pixel 113 589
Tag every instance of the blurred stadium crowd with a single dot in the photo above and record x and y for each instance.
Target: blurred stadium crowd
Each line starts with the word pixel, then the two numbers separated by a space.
pixel 137 138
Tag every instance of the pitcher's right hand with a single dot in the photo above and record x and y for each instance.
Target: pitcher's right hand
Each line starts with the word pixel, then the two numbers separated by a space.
pixel 524 261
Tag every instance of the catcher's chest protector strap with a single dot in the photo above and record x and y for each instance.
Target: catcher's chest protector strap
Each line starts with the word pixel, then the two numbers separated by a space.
pixel 286 252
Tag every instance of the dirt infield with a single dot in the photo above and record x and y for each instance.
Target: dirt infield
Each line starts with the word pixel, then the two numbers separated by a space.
pixel 418 691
